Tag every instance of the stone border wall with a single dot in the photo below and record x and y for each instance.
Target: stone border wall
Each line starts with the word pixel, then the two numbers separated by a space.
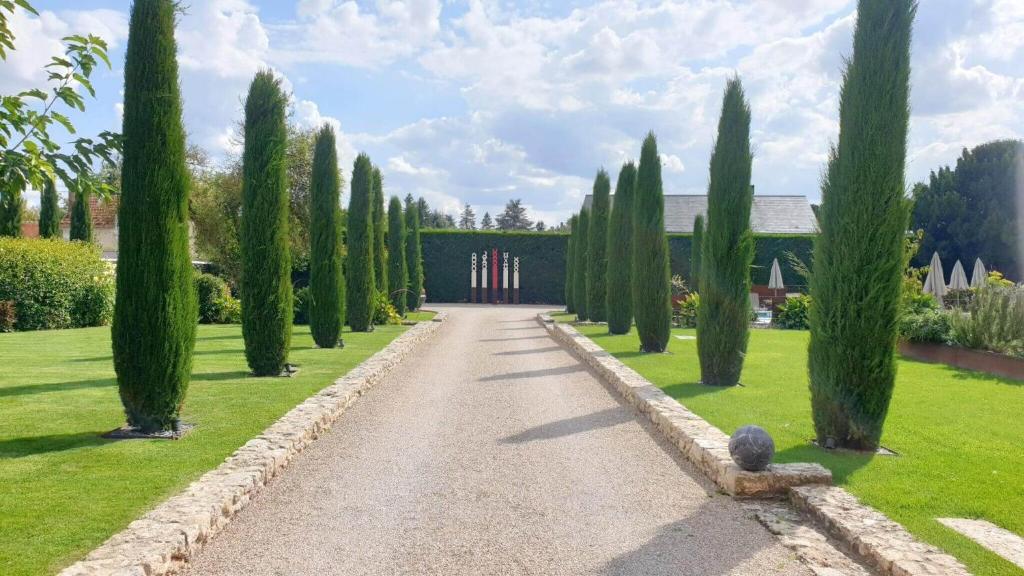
pixel 164 539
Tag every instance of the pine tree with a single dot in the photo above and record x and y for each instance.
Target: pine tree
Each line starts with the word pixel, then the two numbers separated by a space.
pixel 570 266
pixel 696 251
pixel 380 262
pixel 858 258
pixel 266 261
pixel 49 212
pixel 413 256
pixel 652 296
pixel 597 249
pixel 359 266
pixel 487 223
pixel 620 253
pixel 81 219
pixel 467 220
pixel 581 253
pixel 156 312
pixel 326 285
pixel 398 272
pixel 723 318
pixel 514 217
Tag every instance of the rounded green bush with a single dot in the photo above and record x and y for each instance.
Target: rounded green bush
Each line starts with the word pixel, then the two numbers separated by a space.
pixel 211 291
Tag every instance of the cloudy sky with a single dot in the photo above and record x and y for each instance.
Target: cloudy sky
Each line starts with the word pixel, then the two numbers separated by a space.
pixel 480 101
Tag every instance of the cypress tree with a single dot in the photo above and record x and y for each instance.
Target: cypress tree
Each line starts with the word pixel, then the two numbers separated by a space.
pixel 580 271
pixel 652 296
pixel 597 250
pixel 723 318
pixel 326 285
pixel 266 261
pixel 81 219
pixel 398 269
pixel 11 204
pixel 359 267
pixel 380 262
pixel 413 254
pixel 156 311
pixel 620 253
pixel 49 212
pixel 696 252
pixel 570 265
pixel 857 269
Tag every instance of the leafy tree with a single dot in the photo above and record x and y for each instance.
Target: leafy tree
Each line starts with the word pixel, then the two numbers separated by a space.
pixel 963 211
pixel 467 221
pixel 413 256
pixel 299 165
pixel 81 219
pixel 540 226
pixel 359 266
pixel 49 212
pixel 380 262
pixel 570 266
pixel 398 273
pixel 723 319
pixel 487 223
pixel 156 311
pixel 514 217
pixel 652 297
pixel 581 250
pixel 326 284
pixel 620 253
pixel 696 251
pixel 858 257
pixel 597 249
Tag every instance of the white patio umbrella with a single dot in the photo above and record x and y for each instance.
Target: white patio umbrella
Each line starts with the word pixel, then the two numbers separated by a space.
pixel 980 275
pixel 935 282
pixel 958 279
pixel 775 280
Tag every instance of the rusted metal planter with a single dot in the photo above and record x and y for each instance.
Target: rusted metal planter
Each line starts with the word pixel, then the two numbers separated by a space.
pixel 977 360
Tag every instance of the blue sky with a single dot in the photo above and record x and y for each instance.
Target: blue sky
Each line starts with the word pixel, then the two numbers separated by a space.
pixel 480 101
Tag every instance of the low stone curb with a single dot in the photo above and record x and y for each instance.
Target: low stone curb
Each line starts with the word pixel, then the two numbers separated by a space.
pixel 164 539
pixel 704 445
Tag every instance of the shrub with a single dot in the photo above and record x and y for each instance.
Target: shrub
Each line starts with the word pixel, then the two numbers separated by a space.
pixel 413 256
pixel 652 301
pixel 859 258
pixel 49 211
pixel 994 321
pixel 384 311
pixel 266 260
pixel 792 314
pixel 620 253
pixel 959 299
pixel 327 306
pixel 359 267
pixel 696 249
pixel 597 250
pixel 932 326
pixel 8 316
pixel 211 291
pixel 580 270
pixel 570 261
pixel 81 219
pixel 94 305
pixel 398 272
pixel 301 306
pixel 688 310
pixel 154 328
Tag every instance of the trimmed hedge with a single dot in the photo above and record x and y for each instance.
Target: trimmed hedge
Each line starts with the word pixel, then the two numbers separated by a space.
pixel 766 248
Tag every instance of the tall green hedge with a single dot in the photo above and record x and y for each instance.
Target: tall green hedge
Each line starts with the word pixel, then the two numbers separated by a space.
pixel 49 211
pixel 581 255
pixel 398 272
pixel 156 311
pixel 359 267
pixel 766 248
pixel 81 220
pixel 380 259
pixel 570 306
pixel 620 253
pixel 858 258
pixel 11 203
pixel 414 256
pixel 327 287
pixel 652 296
pixel 696 251
pixel 597 252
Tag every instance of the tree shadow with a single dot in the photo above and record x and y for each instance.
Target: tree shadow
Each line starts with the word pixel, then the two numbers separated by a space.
pixel 541 373
pixel 543 336
pixel 530 351
pixel 28 446
pixel 220 376
pixel 534 327
pixel 692 390
pixel 603 419
pixel 842 463
pixel 221 337
pixel 29 389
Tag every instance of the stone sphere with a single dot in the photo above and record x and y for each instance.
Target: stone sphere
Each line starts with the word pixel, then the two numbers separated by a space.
pixel 752 448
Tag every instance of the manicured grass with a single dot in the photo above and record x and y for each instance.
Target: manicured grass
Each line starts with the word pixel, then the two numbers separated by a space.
pixel 64 490
pixel 959 434
pixel 420 316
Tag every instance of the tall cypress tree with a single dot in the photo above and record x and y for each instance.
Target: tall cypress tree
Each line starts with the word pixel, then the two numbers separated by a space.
pixel 620 253
pixel 413 254
pixel 380 262
pixel 49 212
pixel 398 269
pixel 359 267
pixel 580 270
pixel 81 219
pixel 696 252
pixel 326 285
pixel 597 250
pixel 652 296
pixel 858 257
pixel 266 261
pixel 570 265
pixel 156 312
pixel 723 318
pixel 11 204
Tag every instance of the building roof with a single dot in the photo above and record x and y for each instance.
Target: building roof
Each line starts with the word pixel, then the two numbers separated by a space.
pixel 104 212
pixel 768 215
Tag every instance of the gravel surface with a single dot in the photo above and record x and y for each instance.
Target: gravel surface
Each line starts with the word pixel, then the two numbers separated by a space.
pixel 492 451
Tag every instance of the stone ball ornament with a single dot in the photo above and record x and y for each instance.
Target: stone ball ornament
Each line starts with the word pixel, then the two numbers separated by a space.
pixel 752 448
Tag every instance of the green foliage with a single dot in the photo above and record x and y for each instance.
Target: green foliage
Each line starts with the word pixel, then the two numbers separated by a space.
pixel 728 248
pixel 859 255
pixel 414 257
pixel 155 315
pixel 581 271
pixel 696 250
pixel 384 311
pixel 398 272
pixel 266 262
pixel 359 265
pixel 932 326
pixel 211 292
pixel 570 265
pixel 81 219
pixel 8 316
pixel 994 321
pixel 689 310
pixel 792 314
pixel 380 263
pixel 514 217
pixel 619 299
pixel 597 250
pixel 327 306
pixel 49 212
pixel 652 300
pixel 766 248
pixel 12 205
pixel 302 301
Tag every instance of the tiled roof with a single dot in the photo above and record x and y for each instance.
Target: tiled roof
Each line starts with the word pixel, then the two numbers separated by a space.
pixel 769 214
pixel 104 212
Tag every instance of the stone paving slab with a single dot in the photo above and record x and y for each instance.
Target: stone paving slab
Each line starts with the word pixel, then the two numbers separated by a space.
pixel 999 540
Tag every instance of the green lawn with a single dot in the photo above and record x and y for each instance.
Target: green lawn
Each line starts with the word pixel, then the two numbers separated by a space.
pixel 64 490
pixel 420 316
pixel 959 435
